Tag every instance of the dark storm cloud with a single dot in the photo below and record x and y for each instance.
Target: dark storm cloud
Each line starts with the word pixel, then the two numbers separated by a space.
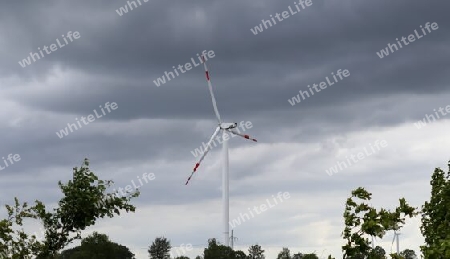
pixel 249 71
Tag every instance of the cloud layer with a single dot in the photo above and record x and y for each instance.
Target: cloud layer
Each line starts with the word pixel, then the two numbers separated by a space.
pixel 154 128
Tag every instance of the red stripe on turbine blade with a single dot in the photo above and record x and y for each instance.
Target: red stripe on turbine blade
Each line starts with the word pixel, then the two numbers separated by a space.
pixel 246 136
pixel 207 75
pixel 196 166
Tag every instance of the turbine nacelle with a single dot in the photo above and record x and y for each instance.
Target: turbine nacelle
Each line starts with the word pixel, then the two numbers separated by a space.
pixel 226 126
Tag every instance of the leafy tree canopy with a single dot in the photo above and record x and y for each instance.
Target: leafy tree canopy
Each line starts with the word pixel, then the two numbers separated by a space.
pixel 436 217
pixel 160 248
pixel 255 252
pixel 97 246
pixel 284 254
pixel 361 221
pixel 408 254
pixel 310 256
pixel 217 251
pixel 84 201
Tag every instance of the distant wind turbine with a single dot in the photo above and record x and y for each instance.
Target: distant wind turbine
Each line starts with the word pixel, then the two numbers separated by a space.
pixel 396 237
pixel 225 128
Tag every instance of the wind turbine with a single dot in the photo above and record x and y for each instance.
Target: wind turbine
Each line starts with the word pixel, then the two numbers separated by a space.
pixel 398 242
pixel 225 128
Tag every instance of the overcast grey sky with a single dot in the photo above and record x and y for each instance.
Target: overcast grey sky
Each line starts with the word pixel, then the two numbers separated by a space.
pixel 154 129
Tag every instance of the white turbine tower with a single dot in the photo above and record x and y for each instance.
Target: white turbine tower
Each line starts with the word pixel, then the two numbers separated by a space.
pixel 396 235
pixel 225 128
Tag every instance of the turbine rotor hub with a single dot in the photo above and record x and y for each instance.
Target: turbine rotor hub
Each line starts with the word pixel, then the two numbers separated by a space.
pixel 226 126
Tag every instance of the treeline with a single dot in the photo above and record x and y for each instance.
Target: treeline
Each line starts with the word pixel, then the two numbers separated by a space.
pixel 161 249
pixel 85 200
pixel 98 246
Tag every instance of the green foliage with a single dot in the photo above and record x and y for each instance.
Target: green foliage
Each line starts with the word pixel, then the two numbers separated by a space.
pixel 361 221
pixel 255 252
pixel 284 254
pixel 377 253
pixel 356 256
pixel 396 256
pixel 97 246
pixel 216 251
pixel 79 208
pixel 436 217
pixel 240 255
pixel 408 254
pixel 182 257
pixel 310 256
pixel 16 243
pixel 160 248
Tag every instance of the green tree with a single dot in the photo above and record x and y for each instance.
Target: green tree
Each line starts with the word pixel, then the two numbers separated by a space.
pixel 362 221
pixel 255 252
pixel 216 251
pixel 356 256
pixel 182 257
pixel 160 248
pixel 408 254
pixel 239 255
pixel 377 253
pixel 310 256
pixel 97 246
pixel 284 254
pixel 436 217
pixel 77 210
pixel 396 256
pixel 15 243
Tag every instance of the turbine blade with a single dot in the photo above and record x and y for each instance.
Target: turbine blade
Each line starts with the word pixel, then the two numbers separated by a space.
pixel 211 91
pixel 392 245
pixel 207 149
pixel 242 135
